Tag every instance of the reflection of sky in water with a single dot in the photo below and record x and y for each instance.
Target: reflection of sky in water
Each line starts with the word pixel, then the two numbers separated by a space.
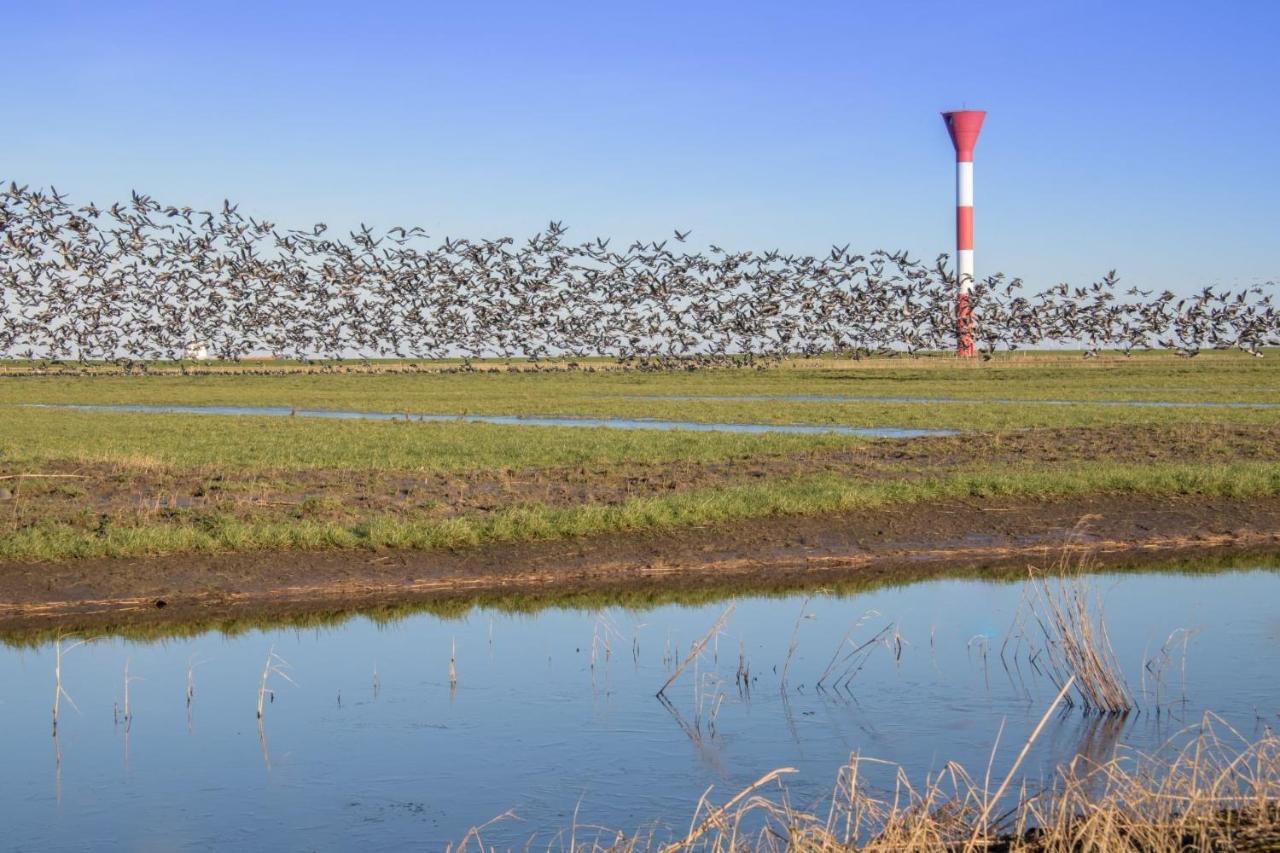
pixel 531 728
pixel 515 420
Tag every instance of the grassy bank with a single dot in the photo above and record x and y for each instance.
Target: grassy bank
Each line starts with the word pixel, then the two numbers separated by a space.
pixel 197 532
pixel 83 484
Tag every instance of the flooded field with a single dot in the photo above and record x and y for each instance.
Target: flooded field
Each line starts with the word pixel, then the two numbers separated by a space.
pixel 970 401
pixel 521 420
pixel 394 732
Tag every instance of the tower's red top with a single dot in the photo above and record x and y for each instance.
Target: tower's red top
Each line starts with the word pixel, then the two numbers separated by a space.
pixel 964 125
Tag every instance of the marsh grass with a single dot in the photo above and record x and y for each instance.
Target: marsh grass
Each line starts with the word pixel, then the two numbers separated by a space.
pixel 1213 376
pixel 785 496
pixel 1208 789
pixel 208 485
pixel 1076 646
pixel 849 658
pixel 257 442
pixel 151 442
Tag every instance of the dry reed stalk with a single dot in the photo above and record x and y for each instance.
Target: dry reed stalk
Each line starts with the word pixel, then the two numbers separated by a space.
pixel 1158 663
pixel 275 665
pixel 474 833
pixel 794 644
pixel 1073 628
pixel 696 649
pixel 707 692
pixel 715 817
pixel 854 660
pixel 980 827
pixel 59 692
pixel 128 713
pixel 743 676
pixel 595 639
pixel 1208 789
pixel 602 633
pixel 840 646
pixel 192 663
pixel 262 745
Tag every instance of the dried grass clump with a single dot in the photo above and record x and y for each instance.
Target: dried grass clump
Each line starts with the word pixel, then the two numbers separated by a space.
pixel 1065 632
pixel 1205 791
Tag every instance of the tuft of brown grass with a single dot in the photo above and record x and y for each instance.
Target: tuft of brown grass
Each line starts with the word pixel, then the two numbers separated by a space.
pixel 1208 789
pixel 1073 641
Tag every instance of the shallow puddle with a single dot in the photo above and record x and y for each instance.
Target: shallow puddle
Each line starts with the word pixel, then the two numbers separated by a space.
pixel 554 712
pixel 517 420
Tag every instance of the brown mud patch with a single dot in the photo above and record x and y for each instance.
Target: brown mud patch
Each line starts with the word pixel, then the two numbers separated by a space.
pixel 988 537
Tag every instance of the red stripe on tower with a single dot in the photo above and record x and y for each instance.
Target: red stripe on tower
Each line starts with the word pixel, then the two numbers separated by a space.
pixel 964 228
pixel 964 127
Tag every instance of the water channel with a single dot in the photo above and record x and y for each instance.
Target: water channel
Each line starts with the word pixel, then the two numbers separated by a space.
pixel 554 711
pixel 515 420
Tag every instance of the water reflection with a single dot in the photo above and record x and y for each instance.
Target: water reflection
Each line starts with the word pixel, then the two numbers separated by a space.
pixel 409 732
pixel 515 420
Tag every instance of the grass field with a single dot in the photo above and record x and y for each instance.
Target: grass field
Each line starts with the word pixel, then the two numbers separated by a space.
pixel 117 484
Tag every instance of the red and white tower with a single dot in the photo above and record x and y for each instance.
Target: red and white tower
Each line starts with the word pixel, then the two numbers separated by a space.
pixel 964 126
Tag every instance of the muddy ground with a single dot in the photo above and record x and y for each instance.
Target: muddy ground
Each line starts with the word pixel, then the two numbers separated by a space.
pixel 88 495
pixel 995 536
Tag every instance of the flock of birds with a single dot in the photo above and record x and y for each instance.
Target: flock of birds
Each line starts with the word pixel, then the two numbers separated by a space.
pixel 142 281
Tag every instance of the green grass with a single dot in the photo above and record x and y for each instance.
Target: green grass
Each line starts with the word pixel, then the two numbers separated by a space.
pixel 266 450
pixel 35 435
pixel 800 495
pixel 1217 378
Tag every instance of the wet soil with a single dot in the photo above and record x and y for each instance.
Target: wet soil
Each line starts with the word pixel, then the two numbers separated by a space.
pixel 84 494
pixel 897 544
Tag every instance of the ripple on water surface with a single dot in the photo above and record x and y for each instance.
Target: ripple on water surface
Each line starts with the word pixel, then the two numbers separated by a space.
pixel 555 711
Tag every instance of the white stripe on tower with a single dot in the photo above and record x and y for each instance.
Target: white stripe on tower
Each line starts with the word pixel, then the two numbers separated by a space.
pixel 964 183
pixel 964 269
pixel 964 222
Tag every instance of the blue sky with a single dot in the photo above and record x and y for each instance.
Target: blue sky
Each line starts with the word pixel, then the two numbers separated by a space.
pixel 1141 136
